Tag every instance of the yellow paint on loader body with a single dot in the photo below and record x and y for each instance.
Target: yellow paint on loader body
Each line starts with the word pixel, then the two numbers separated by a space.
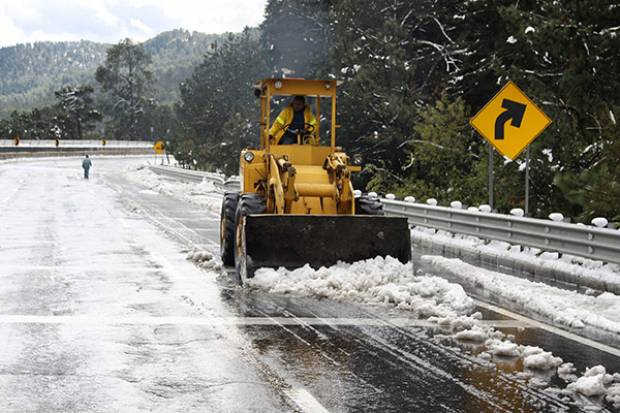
pixel 304 196
pixel 305 178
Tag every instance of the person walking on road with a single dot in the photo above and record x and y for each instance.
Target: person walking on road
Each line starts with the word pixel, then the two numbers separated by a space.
pixel 86 164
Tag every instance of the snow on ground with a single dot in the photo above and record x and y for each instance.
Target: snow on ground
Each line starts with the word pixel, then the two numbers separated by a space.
pixel 386 281
pixel 563 307
pixel 595 383
pixel 389 282
pixel 204 194
pixel 377 281
pixel 204 259
pixel 582 268
pixel 86 279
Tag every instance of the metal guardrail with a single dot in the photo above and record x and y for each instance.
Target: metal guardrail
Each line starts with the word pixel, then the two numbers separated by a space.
pixel 219 180
pixel 596 243
pixel 27 153
pixel 68 143
pixel 581 240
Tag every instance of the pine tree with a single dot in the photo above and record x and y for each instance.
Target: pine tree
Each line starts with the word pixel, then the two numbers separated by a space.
pixel 295 37
pixel 218 110
pixel 78 104
pixel 393 56
pixel 126 78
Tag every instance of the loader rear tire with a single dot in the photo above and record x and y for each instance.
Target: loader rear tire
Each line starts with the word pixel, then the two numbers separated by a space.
pixel 249 204
pixel 227 228
pixel 365 205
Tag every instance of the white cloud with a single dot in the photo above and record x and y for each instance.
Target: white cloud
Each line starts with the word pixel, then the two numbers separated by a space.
pixel 111 20
pixel 213 16
pixel 141 26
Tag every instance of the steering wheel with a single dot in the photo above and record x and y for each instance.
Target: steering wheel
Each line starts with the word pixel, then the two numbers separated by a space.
pixel 308 137
pixel 306 133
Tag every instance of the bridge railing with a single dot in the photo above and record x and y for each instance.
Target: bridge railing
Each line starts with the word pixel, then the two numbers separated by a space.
pixel 586 241
pixel 48 143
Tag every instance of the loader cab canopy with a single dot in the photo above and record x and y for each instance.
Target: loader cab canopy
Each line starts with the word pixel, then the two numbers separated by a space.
pixel 267 89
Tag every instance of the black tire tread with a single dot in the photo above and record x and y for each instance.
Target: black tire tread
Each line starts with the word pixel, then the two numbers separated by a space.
pixel 227 240
pixel 249 204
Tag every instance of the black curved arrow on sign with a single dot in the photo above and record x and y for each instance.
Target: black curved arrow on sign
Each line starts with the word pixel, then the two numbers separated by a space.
pixel 514 112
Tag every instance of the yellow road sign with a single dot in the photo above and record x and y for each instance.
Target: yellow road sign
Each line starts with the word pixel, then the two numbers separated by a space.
pixel 510 121
pixel 159 147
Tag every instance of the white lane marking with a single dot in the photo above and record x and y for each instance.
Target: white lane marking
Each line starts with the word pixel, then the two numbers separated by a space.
pixel 80 269
pixel 305 400
pixel 555 330
pixel 225 321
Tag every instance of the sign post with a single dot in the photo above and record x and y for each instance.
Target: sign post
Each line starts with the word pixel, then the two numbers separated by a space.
pixel 510 122
pixel 527 181
pixel 491 176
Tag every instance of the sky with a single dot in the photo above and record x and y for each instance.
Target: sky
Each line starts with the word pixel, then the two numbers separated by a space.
pixel 109 21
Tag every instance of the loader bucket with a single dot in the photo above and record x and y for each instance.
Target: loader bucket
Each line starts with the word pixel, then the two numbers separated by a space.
pixel 292 241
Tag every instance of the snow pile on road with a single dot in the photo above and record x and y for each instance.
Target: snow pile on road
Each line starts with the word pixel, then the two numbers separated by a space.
pixel 567 372
pixel 590 389
pixel 613 395
pixel 503 348
pixel 593 382
pixel 496 344
pixel 204 193
pixel 563 307
pixel 387 281
pixel 581 268
pixel 596 382
pixel 374 281
pixel 475 334
pixel 459 323
pixel 534 358
pixel 203 259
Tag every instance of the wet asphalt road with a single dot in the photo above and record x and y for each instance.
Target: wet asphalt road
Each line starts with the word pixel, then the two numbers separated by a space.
pixel 100 311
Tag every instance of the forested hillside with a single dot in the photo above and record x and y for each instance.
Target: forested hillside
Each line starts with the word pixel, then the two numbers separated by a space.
pixel 30 73
pixel 414 73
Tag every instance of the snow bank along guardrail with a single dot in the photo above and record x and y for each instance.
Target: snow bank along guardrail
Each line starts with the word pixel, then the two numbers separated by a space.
pixel 219 180
pixel 591 242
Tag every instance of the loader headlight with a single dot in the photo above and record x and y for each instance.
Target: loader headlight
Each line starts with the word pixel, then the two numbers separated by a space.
pixel 278 84
pixel 248 156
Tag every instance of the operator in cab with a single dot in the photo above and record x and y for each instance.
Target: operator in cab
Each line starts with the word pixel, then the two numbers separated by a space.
pixel 297 118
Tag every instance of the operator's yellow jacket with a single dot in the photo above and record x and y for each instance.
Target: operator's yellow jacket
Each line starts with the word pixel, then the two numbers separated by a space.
pixel 285 118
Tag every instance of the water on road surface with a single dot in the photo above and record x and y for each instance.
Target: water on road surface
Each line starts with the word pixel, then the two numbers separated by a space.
pixel 100 311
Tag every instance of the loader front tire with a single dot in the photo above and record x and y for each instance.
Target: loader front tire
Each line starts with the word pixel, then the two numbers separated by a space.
pixel 227 228
pixel 365 205
pixel 249 204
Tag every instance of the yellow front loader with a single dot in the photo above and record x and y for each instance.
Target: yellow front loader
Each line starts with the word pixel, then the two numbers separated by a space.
pixel 297 205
